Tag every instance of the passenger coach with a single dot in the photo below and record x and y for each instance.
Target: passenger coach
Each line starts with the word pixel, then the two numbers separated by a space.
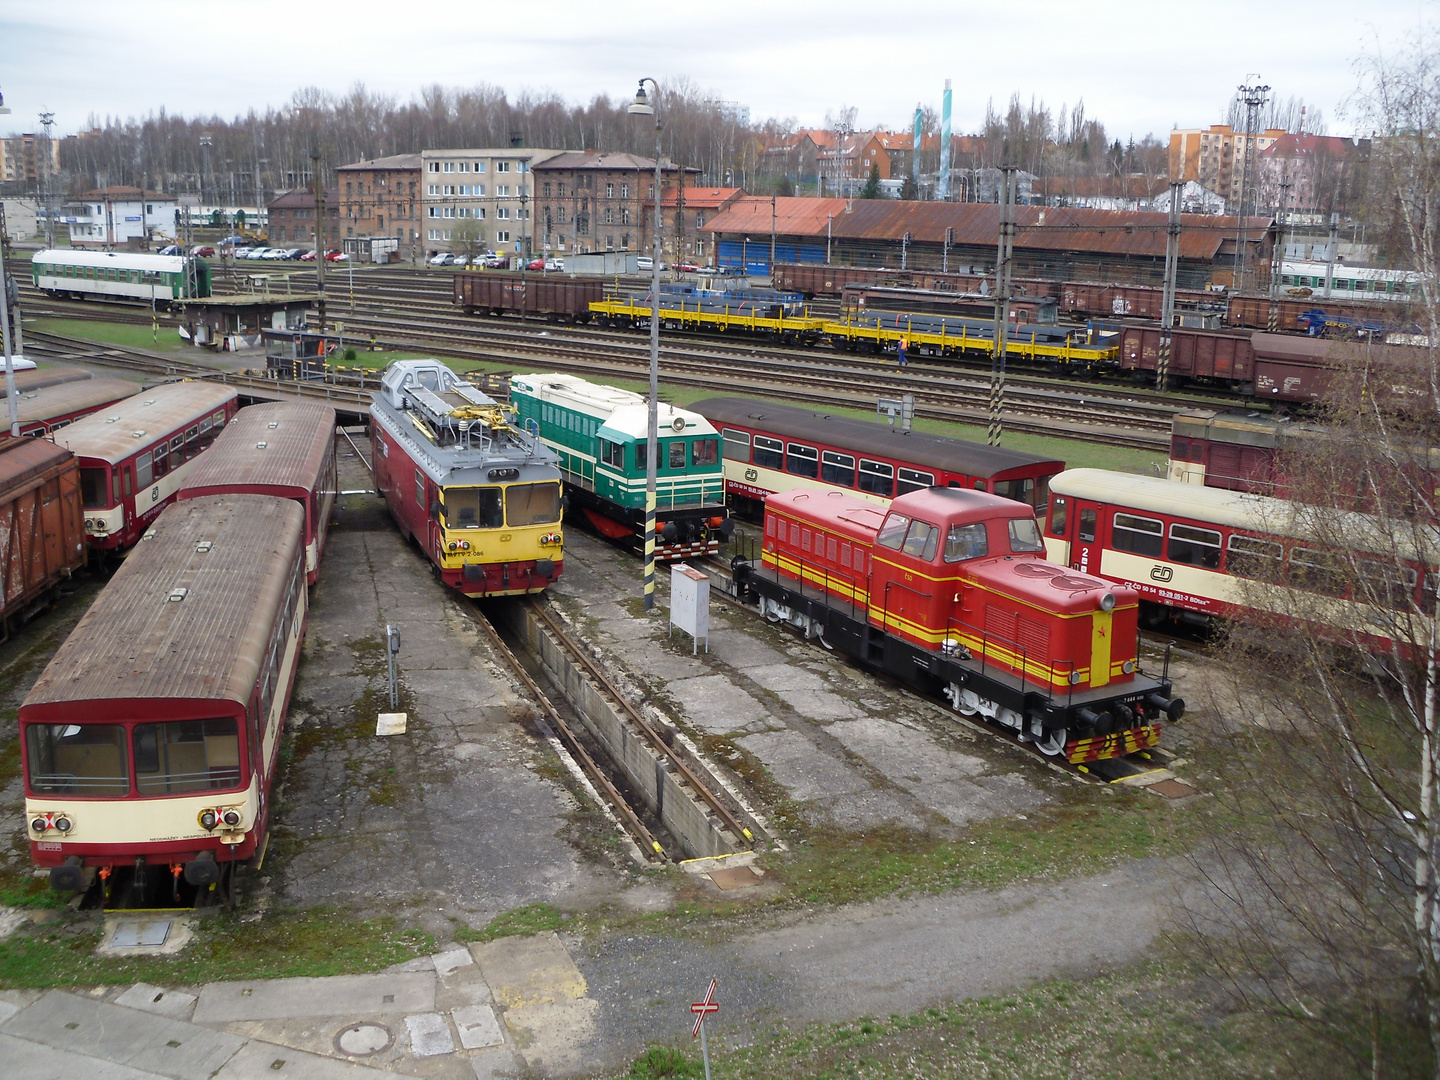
pixel 1196 554
pixel 49 408
pixel 111 274
pixel 135 455
pixel 149 743
pixel 769 448
pixel 286 450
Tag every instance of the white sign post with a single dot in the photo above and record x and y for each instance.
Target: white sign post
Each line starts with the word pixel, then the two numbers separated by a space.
pixel 702 1009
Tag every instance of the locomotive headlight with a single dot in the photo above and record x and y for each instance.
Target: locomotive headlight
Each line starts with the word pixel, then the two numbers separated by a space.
pixel 39 825
pixel 209 819
pixel 63 823
pixel 231 817
pixel 464 545
pixel 453 546
pixel 1107 602
pixel 1128 667
pixel 1074 678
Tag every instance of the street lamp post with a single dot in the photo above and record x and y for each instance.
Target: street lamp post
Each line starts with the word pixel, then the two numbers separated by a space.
pixel 641 106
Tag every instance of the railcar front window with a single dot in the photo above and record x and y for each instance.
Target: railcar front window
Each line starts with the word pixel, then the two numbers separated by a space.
pixel 967 542
pixel 533 504
pixel 705 452
pixel 77 759
pixel 892 533
pixel 1025 536
pixel 473 508
pixel 677 454
pixel 94 489
pixel 1057 517
pixel 186 755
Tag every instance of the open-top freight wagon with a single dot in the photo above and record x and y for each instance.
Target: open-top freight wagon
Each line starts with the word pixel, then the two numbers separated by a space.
pixel 553 299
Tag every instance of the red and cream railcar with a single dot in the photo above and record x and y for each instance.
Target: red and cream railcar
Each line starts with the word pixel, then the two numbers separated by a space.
pixel 948 589
pixel 135 455
pixel 1196 554
pixel 286 449
pixel 49 408
pixel 150 741
pixel 769 448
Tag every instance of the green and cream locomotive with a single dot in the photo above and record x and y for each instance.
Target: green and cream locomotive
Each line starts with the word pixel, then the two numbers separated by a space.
pixel 599 432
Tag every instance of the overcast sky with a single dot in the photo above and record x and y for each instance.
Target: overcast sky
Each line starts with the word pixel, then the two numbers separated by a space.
pixel 1140 67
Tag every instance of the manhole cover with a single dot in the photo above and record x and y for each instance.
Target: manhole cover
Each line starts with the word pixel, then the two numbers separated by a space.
pixel 737 877
pixel 137 935
pixel 1173 789
pixel 362 1040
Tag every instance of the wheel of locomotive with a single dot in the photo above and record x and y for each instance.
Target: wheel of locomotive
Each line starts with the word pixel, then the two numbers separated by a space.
pixel 1054 743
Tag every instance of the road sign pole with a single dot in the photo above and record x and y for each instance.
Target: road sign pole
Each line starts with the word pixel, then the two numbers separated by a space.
pixel 704 1052
pixel 702 1009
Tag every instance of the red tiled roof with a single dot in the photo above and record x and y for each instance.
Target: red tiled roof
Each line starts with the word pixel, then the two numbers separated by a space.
pixel 701 198
pixel 1115 232
pixel 1296 145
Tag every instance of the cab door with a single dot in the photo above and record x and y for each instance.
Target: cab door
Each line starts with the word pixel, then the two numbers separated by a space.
pixel 1086 548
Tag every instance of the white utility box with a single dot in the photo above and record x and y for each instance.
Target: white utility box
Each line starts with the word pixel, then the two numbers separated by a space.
pixel 690 603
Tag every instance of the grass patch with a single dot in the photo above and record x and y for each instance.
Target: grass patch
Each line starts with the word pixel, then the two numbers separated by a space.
pixel 285 944
pixel 1150 1022
pixel 124 334
pixel 537 918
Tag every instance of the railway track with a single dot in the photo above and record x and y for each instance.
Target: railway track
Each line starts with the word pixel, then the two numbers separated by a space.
pixel 621 807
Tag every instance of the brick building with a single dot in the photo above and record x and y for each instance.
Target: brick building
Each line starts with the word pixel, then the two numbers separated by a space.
pixel 685 211
pixel 383 197
pixel 477 199
pixel 1318 170
pixel 587 200
pixel 292 219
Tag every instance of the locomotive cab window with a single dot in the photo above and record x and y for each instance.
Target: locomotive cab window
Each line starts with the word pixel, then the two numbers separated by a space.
pixel 1194 547
pixel 737 444
pixel 705 452
pixel 921 540
pixel 892 533
pixel 967 542
pixel 186 755
pixel 1025 536
pixel 612 453
pixel 533 504
pixel 77 759
pixel 802 460
pixel 473 508
pixel 1137 535
pixel 769 453
pixel 677 454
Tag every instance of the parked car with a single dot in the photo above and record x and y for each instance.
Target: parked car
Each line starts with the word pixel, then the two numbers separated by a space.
pixel 535 264
pixel 309 256
pixel 554 264
pixel 240 253
pixel 233 241
pixel 708 270
pixel 202 251
pixel 645 262
pixel 443 259
pixel 497 262
pixel 687 267
pixel 171 249
pixel 275 254
pixel 336 256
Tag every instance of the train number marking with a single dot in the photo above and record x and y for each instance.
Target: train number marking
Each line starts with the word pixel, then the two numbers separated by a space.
pixel 1161 573
pixel 48 845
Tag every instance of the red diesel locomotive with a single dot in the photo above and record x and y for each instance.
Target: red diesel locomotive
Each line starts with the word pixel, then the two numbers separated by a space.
pixel 948 589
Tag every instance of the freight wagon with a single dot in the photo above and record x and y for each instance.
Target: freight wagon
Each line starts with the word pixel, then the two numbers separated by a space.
pixel 552 299
pixel 42 525
pixel 1209 357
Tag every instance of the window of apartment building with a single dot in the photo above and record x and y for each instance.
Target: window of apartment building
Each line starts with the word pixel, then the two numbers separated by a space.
pixel 480 212
pixel 449 167
pixel 651 193
pixel 609 218
pixel 478 189
pixel 502 236
pixel 609 191
pixel 502 166
pixel 434 234
pixel 699 218
pixel 434 211
pixel 502 213
pixel 433 189
pixel 449 189
pixel 350 230
pixel 449 212
pixel 561 239
pixel 624 191
pixel 434 167
pixel 384 181
pixel 502 191
pixel 609 243
pixel 447 234
pixel 379 221
pixel 479 166
pixel 348 187
pixel 624 215
pixel 522 166
pixel 547 189
pixel 412 187
pixel 524 213
pixel 464 166
pixel 464 212
pixel 464 189
pixel 560 190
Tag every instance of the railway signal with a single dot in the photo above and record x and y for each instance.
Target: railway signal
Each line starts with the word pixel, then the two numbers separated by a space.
pixel 702 1009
